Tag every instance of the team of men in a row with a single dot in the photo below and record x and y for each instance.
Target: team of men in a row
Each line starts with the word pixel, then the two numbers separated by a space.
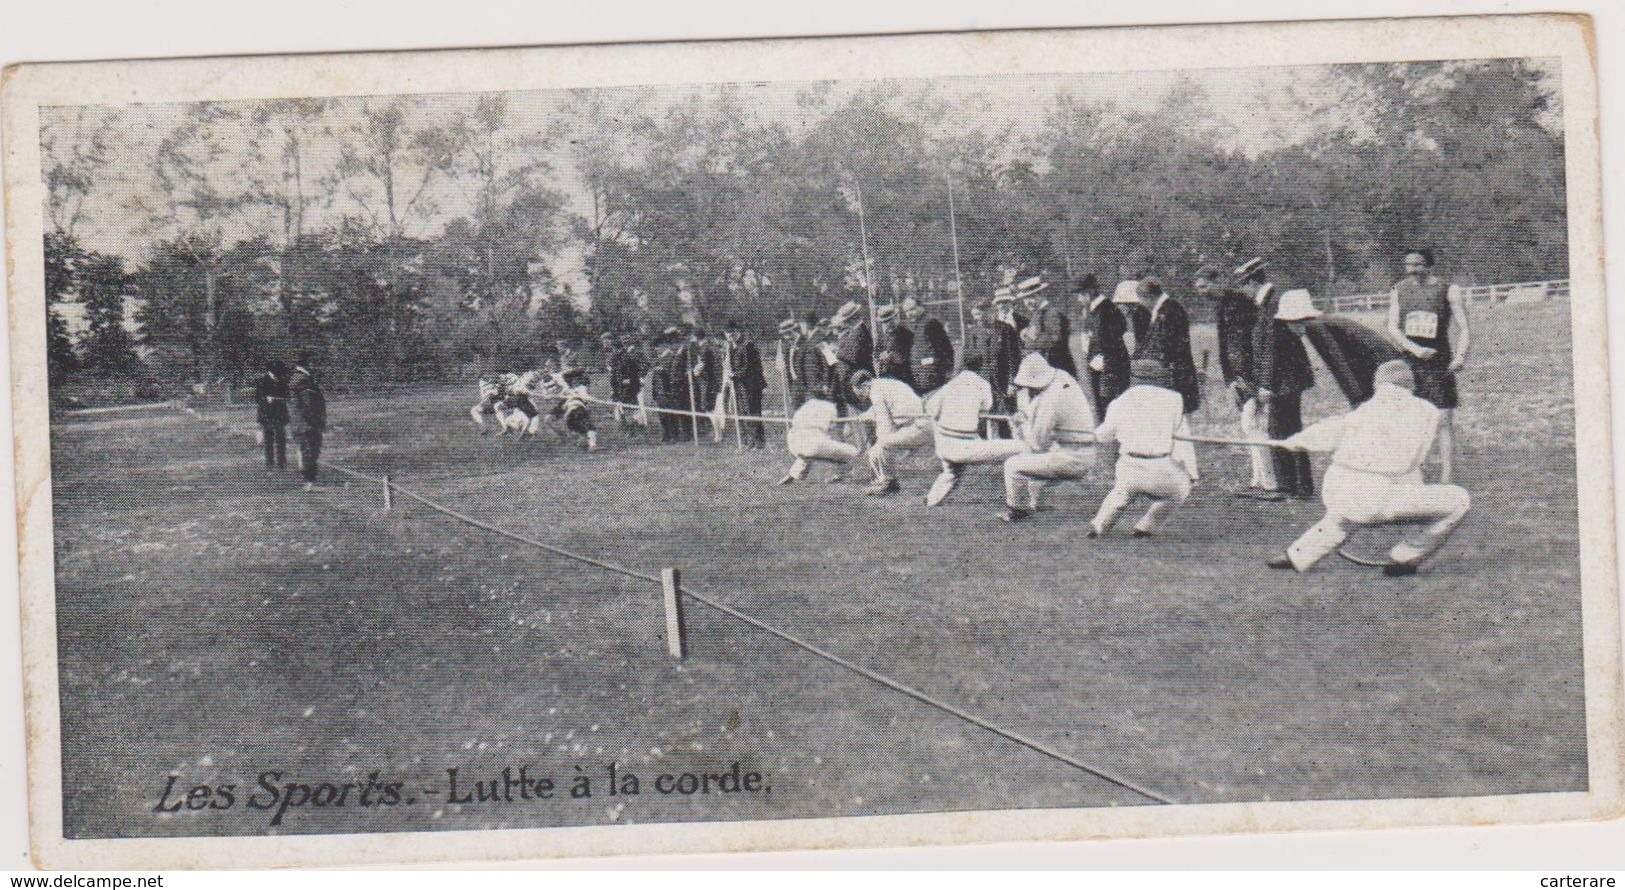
pixel 522 402
pixel 1015 394
pixel 1017 378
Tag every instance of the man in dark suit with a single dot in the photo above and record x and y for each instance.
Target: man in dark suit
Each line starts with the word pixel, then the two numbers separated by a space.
pixel 854 352
pixel 749 382
pixel 1282 373
pixel 931 362
pixel 271 412
pixel 1107 356
pixel 676 379
pixel 1168 340
pixel 897 339
pixel 1237 316
pixel 307 406
pixel 1127 298
pixel 997 349
pixel 1048 330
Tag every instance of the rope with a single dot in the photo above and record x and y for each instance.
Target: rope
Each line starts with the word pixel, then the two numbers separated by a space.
pixel 793 640
pixel 1184 437
pixel 763 626
pixel 919 696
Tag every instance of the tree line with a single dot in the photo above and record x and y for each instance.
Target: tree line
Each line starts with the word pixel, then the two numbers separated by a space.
pixel 405 241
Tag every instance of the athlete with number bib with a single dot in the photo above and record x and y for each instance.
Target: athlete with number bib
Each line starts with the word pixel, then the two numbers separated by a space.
pixel 1428 320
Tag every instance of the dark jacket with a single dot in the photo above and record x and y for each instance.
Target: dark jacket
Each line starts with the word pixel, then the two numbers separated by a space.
pixel 1000 350
pixel 1107 327
pixel 1168 340
pixel 307 402
pixel 1050 332
pixel 1237 317
pixel 899 339
pixel 271 400
pixel 1351 352
pixel 1139 319
pixel 806 364
pixel 856 348
pixel 932 360
pixel 673 383
pixel 1280 363
pixel 747 367
pixel 625 375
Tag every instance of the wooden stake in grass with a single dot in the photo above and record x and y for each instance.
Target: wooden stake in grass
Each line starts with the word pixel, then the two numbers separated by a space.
pixel 784 390
pixel 388 501
pixel 670 584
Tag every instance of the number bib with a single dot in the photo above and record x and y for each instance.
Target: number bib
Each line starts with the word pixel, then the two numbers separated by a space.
pixel 1424 325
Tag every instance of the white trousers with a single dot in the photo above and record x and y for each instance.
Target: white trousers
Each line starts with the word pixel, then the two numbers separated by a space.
pixel 1253 426
pixel 904 438
pixel 1355 499
pixel 951 450
pixel 645 400
pixel 1026 475
pixel 719 413
pixel 810 445
pixel 1160 479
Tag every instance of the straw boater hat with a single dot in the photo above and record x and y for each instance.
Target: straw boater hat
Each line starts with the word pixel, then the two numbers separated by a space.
pixel 1296 305
pixel 1251 267
pixel 845 313
pixel 1003 296
pixel 886 314
pixel 1126 292
pixel 1035 372
pixel 912 308
pixel 789 326
pixel 1030 286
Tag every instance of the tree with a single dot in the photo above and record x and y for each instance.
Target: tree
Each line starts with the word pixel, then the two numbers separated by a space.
pixel 62 258
pixel 280 175
pixel 76 156
pixel 108 344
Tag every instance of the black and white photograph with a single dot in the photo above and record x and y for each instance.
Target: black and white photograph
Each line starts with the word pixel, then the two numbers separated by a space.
pixel 1097 433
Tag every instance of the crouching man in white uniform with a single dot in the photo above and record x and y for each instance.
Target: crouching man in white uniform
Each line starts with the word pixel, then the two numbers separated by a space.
pixel 1376 476
pixel 956 413
pixel 810 438
pixel 900 425
pixel 1143 421
pixel 1058 426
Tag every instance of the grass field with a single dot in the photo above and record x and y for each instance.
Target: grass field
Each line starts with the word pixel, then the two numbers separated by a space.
pixel 216 622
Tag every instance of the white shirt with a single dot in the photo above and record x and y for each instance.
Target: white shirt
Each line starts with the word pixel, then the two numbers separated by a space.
pixel 1143 420
pixel 893 404
pixel 1389 435
pixel 959 405
pixel 1158 307
pixel 1095 301
pixel 1059 415
pixel 1264 291
pixel 815 415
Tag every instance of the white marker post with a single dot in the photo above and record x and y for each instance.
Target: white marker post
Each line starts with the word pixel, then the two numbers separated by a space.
pixel 670 583
pixel 388 500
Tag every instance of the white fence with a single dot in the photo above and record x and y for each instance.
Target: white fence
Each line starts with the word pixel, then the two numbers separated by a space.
pixel 1521 292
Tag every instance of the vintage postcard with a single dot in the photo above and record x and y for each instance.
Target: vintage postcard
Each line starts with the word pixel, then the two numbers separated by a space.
pixel 493 454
